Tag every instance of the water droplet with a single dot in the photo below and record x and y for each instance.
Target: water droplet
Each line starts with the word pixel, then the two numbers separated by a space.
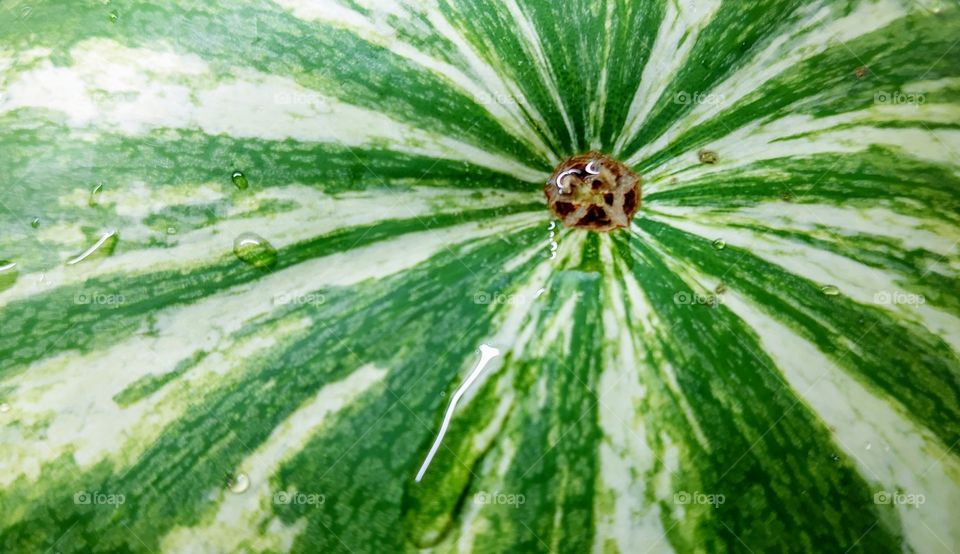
pixel 830 290
pixel 4 407
pixel 8 274
pixel 255 250
pixel 103 247
pixel 240 180
pixel 114 16
pixel 35 223
pixel 719 244
pixel 94 195
pixel 171 230
pixel 835 458
pixel 869 446
pixel 239 483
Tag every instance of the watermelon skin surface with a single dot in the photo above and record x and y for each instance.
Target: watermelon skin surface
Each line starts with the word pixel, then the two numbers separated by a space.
pixel 252 249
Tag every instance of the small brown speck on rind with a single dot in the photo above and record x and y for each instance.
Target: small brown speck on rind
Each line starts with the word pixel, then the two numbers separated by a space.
pixel 596 192
pixel 707 156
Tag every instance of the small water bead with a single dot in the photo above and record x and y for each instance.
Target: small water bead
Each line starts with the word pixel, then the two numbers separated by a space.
pixel 8 274
pixel 35 223
pixel 719 244
pixel 94 195
pixel 239 483
pixel 240 180
pixel 830 290
pixel 171 230
pixel 255 251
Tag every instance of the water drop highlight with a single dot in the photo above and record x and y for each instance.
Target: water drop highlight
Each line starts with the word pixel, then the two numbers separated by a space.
pixel 95 195
pixel 8 274
pixel 35 223
pixel 719 244
pixel 254 250
pixel 240 180
pixel 830 290
pixel 239 483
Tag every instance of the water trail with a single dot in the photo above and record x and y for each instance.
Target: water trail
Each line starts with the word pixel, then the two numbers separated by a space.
pixel 487 353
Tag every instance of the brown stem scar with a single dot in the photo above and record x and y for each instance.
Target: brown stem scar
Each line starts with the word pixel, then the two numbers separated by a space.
pixel 593 191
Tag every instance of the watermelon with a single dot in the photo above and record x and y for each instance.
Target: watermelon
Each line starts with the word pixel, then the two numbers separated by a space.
pixel 290 276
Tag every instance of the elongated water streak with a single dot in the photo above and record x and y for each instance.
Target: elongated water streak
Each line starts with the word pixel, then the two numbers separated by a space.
pixel 487 353
pixel 89 251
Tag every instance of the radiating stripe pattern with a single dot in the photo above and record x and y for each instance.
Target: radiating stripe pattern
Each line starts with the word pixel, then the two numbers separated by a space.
pixel 250 249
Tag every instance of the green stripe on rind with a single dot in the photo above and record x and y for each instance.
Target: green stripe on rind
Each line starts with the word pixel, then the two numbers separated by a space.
pixel 916 370
pixel 725 42
pixel 279 44
pixel 57 322
pixel 190 172
pixel 739 431
pixel 285 377
pixel 828 78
